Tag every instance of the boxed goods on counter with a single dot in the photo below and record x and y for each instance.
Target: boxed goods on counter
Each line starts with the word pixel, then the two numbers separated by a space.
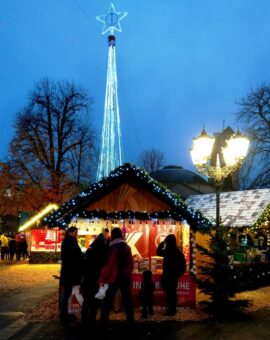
pixel 144 264
pixel 156 264
pixel 136 266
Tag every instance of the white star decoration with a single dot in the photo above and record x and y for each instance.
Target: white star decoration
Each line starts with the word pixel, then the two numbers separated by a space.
pixel 111 20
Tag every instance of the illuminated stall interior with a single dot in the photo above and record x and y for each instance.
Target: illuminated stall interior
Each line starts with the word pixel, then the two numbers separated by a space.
pixel 143 236
pixel 41 239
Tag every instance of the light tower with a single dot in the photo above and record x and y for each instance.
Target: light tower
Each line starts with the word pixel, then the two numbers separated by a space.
pixel 111 153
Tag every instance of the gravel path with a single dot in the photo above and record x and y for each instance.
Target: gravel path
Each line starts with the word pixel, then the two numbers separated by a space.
pixel 18 279
pixel 48 310
pixel 22 287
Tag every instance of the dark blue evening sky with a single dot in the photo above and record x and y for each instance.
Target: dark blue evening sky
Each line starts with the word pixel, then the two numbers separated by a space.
pixel 181 63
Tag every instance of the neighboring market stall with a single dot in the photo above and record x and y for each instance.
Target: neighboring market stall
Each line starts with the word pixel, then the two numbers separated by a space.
pixel 44 244
pixel 246 217
pixel 146 212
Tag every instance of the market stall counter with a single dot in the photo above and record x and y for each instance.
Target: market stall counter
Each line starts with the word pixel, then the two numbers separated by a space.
pixel 186 291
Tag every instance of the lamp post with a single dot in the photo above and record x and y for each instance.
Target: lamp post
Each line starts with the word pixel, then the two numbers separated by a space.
pixel 232 156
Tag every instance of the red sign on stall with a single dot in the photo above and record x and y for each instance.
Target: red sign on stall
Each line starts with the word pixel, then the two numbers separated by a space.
pixel 186 291
pixel 145 240
pixel 46 240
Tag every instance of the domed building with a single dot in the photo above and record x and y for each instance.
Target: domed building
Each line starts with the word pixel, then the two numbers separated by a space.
pixel 182 181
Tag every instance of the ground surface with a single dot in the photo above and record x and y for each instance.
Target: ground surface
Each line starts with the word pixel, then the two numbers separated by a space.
pixel 23 286
pixel 29 310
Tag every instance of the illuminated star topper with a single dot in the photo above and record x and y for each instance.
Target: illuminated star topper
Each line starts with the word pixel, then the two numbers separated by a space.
pixel 111 20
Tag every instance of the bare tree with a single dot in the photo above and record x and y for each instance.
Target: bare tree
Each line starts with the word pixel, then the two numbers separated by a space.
pixel 254 116
pixel 152 159
pixel 53 144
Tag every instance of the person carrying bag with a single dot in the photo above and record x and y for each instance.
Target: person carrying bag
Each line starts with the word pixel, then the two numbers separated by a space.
pixel 117 274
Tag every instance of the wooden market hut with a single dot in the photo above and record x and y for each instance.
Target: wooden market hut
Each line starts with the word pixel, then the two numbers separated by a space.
pixel 144 209
pixel 246 218
pixel 128 196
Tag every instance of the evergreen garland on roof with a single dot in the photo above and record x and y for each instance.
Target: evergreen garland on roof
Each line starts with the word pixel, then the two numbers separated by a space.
pixel 126 172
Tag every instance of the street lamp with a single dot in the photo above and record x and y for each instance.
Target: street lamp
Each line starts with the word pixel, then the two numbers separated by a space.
pixel 229 159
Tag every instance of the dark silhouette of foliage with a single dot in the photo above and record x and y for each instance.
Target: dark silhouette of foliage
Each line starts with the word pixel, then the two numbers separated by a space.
pixel 218 278
pixel 53 144
pixel 152 160
pixel 254 117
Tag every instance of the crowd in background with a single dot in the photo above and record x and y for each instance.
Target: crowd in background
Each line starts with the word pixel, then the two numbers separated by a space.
pixel 13 247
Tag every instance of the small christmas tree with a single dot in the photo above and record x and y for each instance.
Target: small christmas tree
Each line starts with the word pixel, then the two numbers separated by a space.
pixel 218 278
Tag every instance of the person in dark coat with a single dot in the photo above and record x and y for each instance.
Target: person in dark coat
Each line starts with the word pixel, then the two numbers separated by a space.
pixel 24 247
pixel 12 245
pixel 174 265
pixel 117 274
pixel 147 294
pixel 71 269
pixel 93 262
pixel 106 233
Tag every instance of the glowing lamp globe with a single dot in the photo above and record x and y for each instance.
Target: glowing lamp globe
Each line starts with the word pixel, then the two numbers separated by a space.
pixel 236 149
pixel 202 148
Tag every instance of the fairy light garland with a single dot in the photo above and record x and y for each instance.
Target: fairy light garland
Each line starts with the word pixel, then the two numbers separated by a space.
pixel 193 265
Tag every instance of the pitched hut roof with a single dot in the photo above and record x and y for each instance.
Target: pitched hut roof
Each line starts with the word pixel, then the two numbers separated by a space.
pixel 237 208
pixel 81 205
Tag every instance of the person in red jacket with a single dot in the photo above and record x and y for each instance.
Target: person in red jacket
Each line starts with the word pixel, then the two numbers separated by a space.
pixel 117 273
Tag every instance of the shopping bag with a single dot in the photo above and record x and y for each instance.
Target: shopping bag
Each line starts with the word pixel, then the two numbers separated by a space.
pixel 75 300
pixel 102 292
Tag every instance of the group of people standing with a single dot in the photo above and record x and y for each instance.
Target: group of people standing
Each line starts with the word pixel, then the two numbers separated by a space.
pixel 10 246
pixel 108 262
